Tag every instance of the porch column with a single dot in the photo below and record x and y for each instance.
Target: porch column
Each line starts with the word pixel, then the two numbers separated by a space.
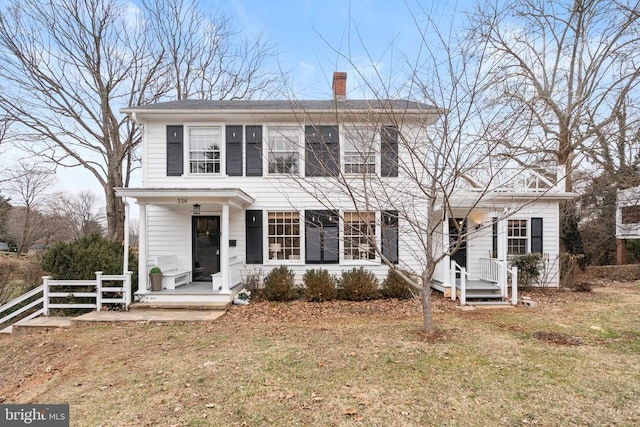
pixel 224 250
pixel 502 239
pixel 448 279
pixel 125 258
pixel 502 253
pixel 143 273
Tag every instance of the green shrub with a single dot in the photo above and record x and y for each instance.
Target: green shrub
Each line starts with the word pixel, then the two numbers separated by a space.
pixel 529 269
pixel 79 260
pixel 279 285
pixel 155 270
pixel 395 286
pixel 358 284
pixel 319 285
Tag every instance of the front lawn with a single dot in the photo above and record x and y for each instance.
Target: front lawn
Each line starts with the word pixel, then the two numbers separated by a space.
pixel 573 360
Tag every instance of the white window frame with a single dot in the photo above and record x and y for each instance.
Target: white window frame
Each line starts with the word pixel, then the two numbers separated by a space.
pixel 277 251
pixel 518 236
pixel 363 246
pixel 350 149
pixel 297 131
pixel 187 155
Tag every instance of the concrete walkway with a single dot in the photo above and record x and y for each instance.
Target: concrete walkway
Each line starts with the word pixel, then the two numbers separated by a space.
pixel 148 315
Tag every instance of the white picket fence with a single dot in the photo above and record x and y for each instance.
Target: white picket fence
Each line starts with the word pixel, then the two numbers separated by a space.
pixel 48 296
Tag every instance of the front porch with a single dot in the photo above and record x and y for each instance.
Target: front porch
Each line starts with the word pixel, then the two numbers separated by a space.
pixel 195 238
pixel 192 293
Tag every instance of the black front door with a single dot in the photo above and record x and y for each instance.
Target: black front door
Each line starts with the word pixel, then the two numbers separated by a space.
pixel 206 247
pixel 458 230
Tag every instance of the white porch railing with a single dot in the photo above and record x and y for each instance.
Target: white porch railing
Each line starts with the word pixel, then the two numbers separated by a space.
pixel 497 271
pixel 489 270
pixel 535 179
pixel 456 268
pixel 236 266
pixel 49 294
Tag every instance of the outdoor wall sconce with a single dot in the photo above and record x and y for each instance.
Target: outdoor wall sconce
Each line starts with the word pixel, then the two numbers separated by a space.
pixel 196 209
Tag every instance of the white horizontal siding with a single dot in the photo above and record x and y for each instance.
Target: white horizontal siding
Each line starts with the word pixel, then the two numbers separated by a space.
pixel 169 230
pixel 479 244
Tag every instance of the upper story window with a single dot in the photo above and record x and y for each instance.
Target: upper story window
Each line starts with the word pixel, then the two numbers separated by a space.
pixel 517 240
pixel 205 149
pixel 360 149
pixel 284 147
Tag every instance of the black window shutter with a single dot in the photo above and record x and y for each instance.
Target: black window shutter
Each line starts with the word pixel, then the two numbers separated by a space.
pixel 389 152
pixel 175 154
pixel 536 235
pixel 234 150
pixel 322 151
pixel 321 237
pixel 389 231
pixel 253 136
pixel 254 237
pixel 494 238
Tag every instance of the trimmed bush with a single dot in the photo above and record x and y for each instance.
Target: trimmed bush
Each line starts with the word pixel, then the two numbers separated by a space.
pixel 79 260
pixel 319 285
pixel 529 269
pixel 279 285
pixel 358 284
pixel 395 286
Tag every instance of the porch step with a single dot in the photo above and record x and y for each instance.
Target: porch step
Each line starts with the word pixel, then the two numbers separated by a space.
pixel 490 304
pixel 482 296
pixel 41 323
pixel 183 305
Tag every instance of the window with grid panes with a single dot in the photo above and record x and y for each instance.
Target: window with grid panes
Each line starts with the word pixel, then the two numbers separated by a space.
pixel 205 153
pixel 284 146
pixel 359 230
pixel 284 235
pixel 517 239
pixel 359 149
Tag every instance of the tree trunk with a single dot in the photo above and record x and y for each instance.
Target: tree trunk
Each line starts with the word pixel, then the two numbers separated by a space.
pixel 427 313
pixel 114 205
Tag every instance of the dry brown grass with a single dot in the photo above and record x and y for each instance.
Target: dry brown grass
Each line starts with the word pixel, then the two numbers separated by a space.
pixel 345 364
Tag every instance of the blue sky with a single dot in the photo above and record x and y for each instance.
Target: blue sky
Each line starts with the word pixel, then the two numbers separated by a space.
pixel 307 33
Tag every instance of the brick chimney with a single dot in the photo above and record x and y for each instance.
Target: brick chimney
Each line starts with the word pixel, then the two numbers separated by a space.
pixel 340 86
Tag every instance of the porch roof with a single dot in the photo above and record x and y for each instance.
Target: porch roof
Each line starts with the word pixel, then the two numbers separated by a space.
pixel 187 196
pixel 470 199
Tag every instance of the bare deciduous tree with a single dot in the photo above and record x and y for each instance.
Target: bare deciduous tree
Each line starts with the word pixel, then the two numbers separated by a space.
pixel 81 212
pixel 564 74
pixel 68 66
pixel 445 164
pixel 29 187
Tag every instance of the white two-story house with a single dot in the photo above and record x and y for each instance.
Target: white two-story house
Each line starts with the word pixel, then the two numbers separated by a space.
pixel 231 186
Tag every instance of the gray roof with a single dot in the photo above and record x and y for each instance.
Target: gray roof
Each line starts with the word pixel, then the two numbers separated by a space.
pixel 397 105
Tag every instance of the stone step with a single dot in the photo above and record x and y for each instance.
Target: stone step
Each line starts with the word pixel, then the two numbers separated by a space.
pixel 41 323
pixel 490 304
pixel 483 296
pixel 167 305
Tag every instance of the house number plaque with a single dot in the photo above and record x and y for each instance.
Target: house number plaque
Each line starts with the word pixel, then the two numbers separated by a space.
pixel 182 201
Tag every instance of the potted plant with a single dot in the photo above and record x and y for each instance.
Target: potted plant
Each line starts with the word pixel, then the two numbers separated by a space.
pixel 155 275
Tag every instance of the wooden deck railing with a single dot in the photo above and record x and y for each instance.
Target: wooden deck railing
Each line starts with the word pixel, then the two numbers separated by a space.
pixel 40 300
